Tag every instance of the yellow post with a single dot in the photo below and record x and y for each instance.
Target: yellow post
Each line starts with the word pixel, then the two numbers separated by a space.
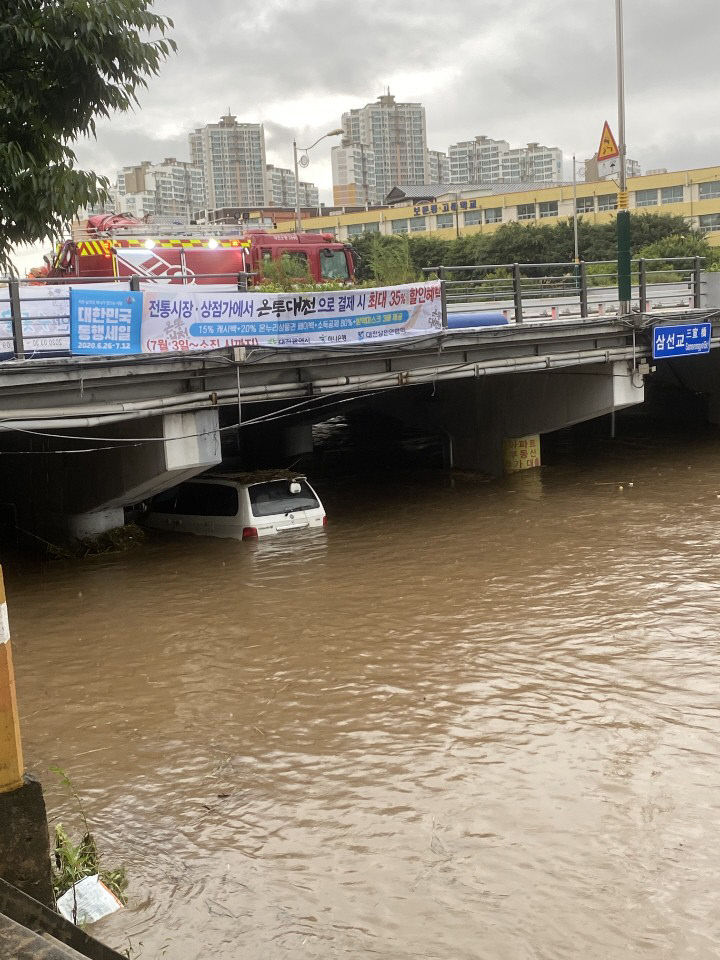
pixel 11 759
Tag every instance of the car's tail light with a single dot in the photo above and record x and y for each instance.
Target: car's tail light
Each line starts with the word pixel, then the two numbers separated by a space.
pixel 325 520
pixel 250 533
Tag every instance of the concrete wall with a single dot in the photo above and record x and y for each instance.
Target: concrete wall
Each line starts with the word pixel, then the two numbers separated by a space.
pixel 84 492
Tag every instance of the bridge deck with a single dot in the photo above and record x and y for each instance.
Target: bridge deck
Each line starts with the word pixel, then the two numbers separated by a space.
pixel 39 391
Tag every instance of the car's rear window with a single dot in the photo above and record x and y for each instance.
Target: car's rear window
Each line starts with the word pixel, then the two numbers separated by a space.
pixel 267 499
pixel 198 499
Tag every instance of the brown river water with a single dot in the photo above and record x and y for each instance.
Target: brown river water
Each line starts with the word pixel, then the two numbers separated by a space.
pixel 469 719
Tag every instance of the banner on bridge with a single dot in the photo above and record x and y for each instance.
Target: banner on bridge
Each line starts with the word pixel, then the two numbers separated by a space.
pixel 188 319
pixel 105 322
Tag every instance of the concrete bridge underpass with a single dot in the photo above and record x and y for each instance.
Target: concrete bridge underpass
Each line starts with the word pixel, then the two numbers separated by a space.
pixel 82 438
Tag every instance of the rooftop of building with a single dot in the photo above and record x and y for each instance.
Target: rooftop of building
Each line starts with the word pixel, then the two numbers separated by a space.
pixel 431 191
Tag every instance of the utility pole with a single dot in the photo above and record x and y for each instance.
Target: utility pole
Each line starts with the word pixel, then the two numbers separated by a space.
pixel 297 189
pixel 575 215
pixel 623 214
pixel 24 838
pixel 11 758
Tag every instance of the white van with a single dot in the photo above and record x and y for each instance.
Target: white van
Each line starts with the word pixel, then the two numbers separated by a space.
pixel 236 505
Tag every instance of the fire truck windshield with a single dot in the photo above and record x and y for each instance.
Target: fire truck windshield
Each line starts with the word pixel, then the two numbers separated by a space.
pixel 333 264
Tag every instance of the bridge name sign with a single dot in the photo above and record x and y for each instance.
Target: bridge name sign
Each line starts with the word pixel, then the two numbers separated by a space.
pixel 686 340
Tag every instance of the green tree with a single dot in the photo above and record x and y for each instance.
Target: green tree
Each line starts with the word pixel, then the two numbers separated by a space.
pixel 539 243
pixel 62 64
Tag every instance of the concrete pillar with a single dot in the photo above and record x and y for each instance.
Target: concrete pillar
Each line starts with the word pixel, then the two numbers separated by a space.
pixel 295 440
pixel 710 289
pixel 84 494
pixel 479 413
pixel 25 841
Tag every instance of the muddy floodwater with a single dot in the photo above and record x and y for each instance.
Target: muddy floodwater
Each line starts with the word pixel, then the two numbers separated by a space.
pixel 469 719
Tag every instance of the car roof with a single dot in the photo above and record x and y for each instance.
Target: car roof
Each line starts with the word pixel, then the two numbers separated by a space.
pixel 256 476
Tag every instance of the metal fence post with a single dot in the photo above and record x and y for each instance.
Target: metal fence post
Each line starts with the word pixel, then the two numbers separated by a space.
pixel 242 281
pixel 16 319
pixel 135 284
pixel 443 304
pixel 517 292
pixel 697 282
pixel 642 284
pixel 583 290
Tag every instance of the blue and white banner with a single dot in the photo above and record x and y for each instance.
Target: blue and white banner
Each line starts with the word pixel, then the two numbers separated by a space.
pixel 183 318
pixel 169 319
pixel 105 322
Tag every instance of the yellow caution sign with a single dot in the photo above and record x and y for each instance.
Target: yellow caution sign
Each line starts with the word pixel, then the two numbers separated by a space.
pixel 608 148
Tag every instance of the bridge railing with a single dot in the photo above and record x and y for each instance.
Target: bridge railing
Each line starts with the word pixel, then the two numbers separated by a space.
pixel 35 313
pixel 34 323
pixel 534 291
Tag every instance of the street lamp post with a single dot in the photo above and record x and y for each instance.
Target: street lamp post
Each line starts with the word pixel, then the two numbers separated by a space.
pixel 623 214
pixel 575 214
pixel 304 151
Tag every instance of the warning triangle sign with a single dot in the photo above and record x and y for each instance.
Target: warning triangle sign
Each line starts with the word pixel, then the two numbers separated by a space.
pixel 608 147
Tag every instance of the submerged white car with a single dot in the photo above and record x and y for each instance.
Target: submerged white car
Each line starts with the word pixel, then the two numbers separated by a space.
pixel 235 505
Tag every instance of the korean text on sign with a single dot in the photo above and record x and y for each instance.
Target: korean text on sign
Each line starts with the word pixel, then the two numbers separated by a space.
pixel 681 341
pixel 105 321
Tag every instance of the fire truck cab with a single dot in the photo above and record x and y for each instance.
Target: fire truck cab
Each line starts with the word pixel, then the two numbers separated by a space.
pixel 121 246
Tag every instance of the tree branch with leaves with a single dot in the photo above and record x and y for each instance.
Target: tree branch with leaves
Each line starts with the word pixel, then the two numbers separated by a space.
pixel 63 63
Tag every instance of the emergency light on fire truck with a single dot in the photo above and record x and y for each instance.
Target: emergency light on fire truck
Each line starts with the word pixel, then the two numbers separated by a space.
pixel 119 246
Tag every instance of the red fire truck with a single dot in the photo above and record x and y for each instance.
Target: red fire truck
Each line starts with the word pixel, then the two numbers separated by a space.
pixel 121 246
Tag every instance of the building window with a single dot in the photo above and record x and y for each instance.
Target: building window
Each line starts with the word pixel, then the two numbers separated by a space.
pixel 355 229
pixel 671 195
pixel 399 226
pixel 548 208
pixel 493 215
pixel 445 220
pixel 417 224
pixel 646 198
pixel 607 201
pixel 709 222
pixel 526 211
pixel 710 190
pixel 585 205
pixel 472 217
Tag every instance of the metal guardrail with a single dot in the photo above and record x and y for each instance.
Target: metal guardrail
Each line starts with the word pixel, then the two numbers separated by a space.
pixel 521 291
pixel 581 289
pixel 21 333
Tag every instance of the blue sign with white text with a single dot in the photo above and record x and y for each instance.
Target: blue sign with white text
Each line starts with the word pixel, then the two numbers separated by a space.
pixel 106 322
pixel 686 340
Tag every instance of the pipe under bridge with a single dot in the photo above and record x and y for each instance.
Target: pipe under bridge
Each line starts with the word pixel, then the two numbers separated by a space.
pixel 86 437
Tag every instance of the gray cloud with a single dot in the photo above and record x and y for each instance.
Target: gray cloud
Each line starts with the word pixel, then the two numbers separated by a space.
pixel 527 71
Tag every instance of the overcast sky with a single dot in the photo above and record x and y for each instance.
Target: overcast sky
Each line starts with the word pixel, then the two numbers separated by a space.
pixel 526 70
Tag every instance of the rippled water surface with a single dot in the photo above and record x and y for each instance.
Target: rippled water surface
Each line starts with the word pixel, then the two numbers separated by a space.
pixel 468 720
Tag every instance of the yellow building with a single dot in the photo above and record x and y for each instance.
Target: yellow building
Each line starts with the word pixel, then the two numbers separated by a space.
pixel 692 194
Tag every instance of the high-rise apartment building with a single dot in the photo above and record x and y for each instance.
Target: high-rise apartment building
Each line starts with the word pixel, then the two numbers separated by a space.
pixel 396 134
pixel 353 175
pixel 281 189
pixel 477 161
pixel 534 163
pixel 232 156
pixel 172 188
pixel 484 160
pixel 438 167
